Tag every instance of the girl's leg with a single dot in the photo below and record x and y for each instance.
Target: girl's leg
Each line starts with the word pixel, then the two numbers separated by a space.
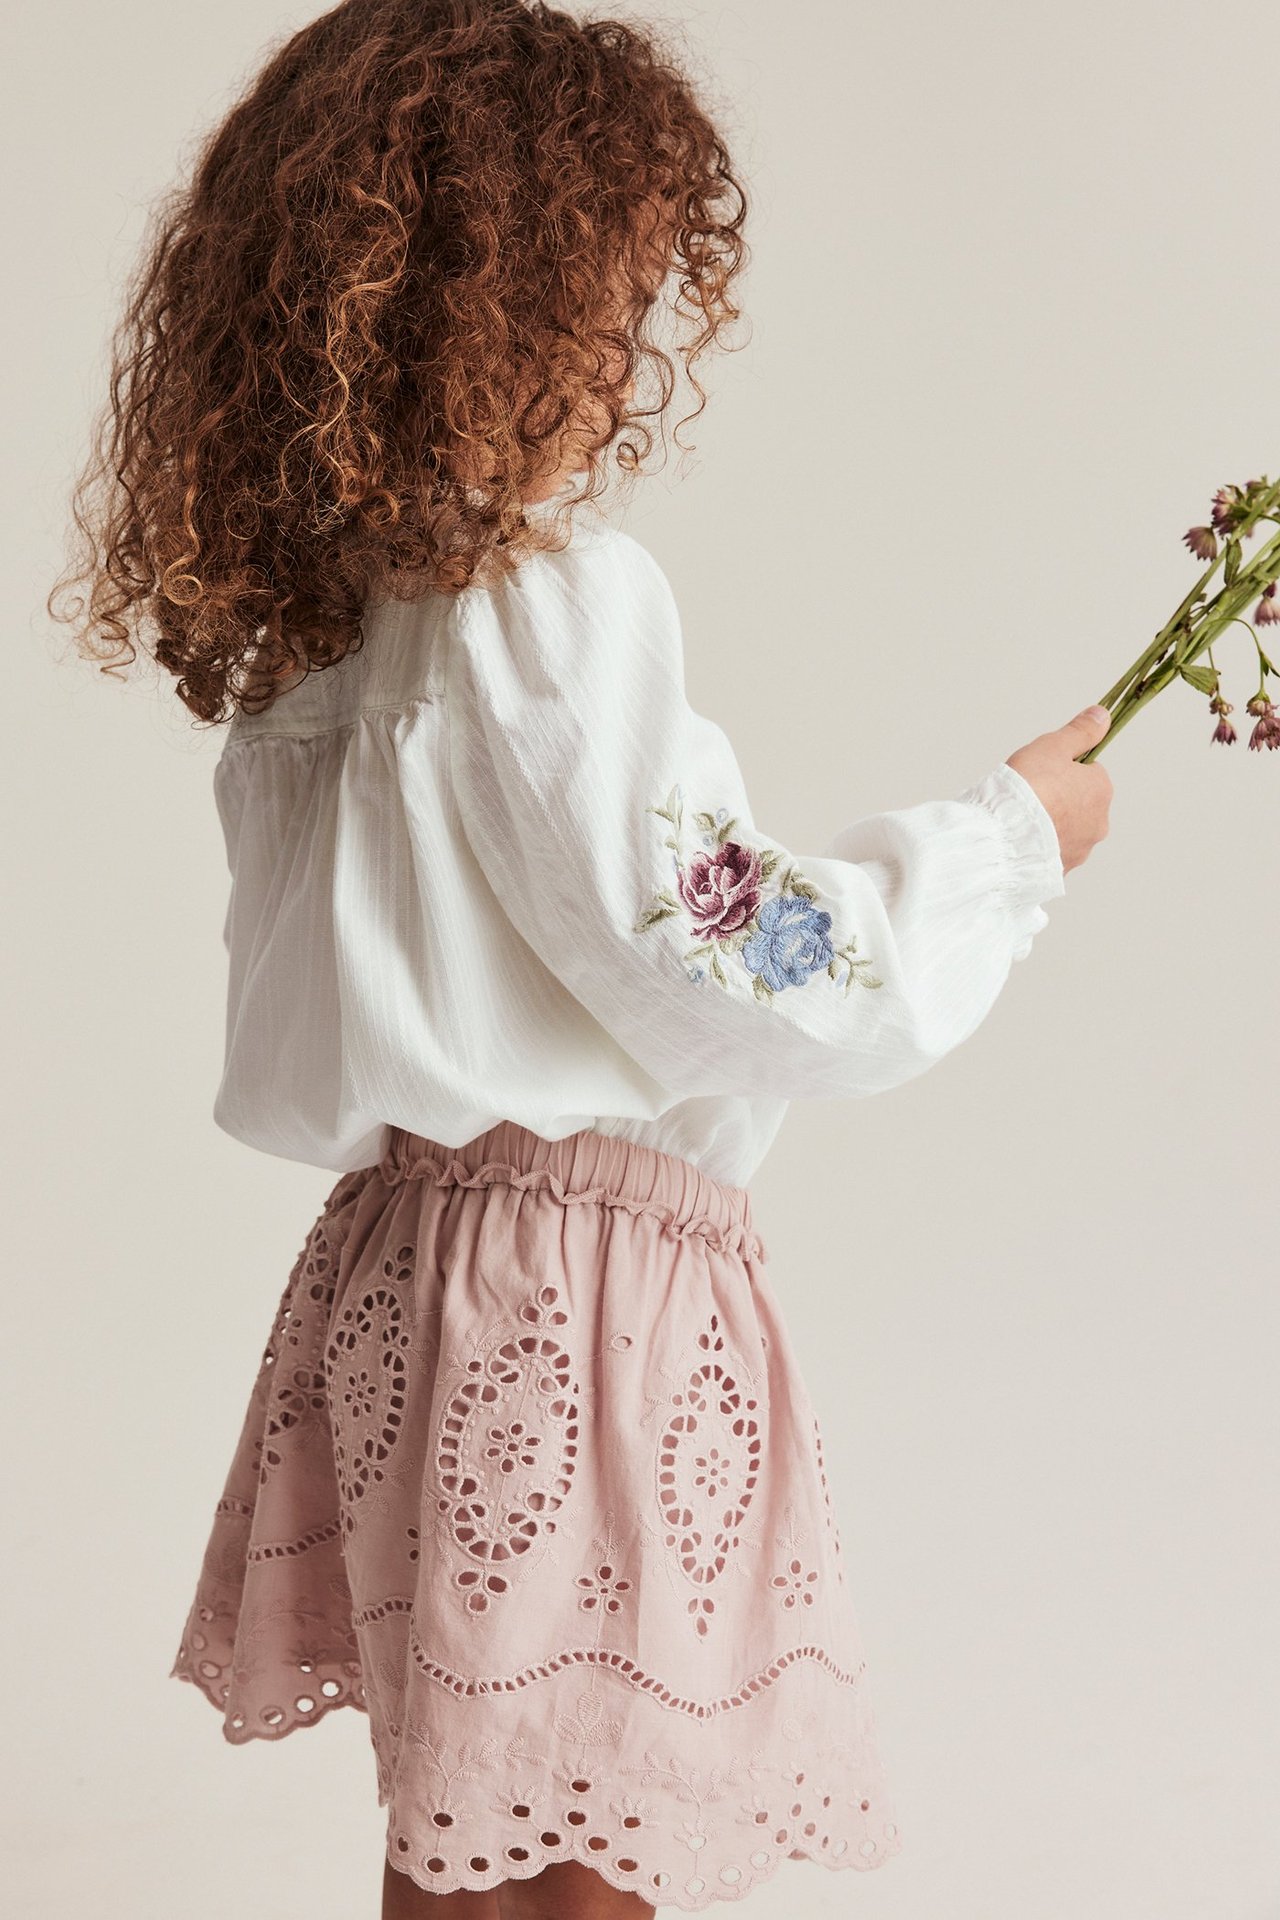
pixel 404 1899
pixel 568 1891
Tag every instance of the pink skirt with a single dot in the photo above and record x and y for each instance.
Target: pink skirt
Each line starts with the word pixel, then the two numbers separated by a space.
pixel 530 1476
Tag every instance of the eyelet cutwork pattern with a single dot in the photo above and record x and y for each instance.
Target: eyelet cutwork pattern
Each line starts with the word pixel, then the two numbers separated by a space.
pixel 828 1505
pixel 268 1638
pixel 365 1382
pixel 707 1466
pixel 472 1686
pixel 292 1370
pixel 680 1833
pixel 506 1450
pixel 533 1488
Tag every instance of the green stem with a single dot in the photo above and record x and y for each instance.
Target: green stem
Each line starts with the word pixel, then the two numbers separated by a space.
pixel 1122 718
pixel 1225 608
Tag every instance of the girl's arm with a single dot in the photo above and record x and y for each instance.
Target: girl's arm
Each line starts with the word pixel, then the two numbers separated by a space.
pixel 612 822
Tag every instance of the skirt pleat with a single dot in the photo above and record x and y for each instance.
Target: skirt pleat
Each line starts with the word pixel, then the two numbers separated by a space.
pixel 529 1475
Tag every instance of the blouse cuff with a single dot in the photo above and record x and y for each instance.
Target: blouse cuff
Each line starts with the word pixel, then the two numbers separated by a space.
pixel 1033 856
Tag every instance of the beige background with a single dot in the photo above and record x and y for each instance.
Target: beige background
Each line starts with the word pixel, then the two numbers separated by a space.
pixel 1013 319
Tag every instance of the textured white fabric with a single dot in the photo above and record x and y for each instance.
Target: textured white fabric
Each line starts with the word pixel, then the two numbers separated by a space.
pixel 493 866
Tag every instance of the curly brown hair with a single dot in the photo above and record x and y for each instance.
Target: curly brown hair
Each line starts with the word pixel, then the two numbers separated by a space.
pixel 413 280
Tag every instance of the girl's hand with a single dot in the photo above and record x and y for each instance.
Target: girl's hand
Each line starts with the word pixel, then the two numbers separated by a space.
pixel 1078 798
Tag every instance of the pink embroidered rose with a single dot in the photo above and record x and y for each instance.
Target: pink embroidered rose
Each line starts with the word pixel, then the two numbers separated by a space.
pixel 721 890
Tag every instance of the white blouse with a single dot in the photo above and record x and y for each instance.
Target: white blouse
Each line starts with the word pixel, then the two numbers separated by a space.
pixel 493 866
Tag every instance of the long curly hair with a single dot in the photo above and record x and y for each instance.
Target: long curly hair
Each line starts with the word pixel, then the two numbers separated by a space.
pixel 417 275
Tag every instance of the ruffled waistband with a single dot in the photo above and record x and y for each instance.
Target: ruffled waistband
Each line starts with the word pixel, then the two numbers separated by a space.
pixel 586 1166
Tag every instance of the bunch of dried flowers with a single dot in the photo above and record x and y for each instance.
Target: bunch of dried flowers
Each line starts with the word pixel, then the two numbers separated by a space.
pixel 1236 514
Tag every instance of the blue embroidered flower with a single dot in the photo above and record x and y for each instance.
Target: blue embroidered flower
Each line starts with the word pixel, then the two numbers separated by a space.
pixel 790 942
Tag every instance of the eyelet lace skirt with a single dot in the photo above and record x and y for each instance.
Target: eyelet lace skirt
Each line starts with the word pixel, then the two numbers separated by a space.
pixel 530 1476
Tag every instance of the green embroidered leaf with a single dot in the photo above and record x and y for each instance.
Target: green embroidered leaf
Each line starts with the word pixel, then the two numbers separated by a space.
pixel 861 978
pixel 831 969
pixel 718 970
pixel 768 861
pixel 761 987
pixel 707 824
pixel 670 810
pixel 652 915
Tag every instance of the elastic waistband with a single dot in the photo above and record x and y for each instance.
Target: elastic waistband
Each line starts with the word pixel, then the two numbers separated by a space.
pixel 586 1166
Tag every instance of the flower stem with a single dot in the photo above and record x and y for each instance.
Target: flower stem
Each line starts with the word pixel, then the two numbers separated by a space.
pixel 1133 690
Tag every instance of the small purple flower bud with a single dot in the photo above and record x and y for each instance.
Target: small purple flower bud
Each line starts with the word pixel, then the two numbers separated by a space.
pixel 1201 542
pixel 1266 733
pixel 1228 508
pixel 1225 732
pixel 1258 703
pixel 1267 611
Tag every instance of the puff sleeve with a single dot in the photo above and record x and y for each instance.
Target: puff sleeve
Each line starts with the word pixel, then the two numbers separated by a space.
pixel 612 823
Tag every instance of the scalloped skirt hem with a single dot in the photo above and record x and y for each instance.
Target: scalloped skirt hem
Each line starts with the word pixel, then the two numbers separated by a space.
pixel 530 1477
pixel 693 1896
pixel 239 1736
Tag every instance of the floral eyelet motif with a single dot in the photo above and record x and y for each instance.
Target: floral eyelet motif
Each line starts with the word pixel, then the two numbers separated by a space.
pixel 782 938
pixel 708 1462
pixel 503 1474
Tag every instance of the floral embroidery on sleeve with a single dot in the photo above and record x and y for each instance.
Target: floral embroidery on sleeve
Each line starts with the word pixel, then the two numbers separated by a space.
pixel 782 937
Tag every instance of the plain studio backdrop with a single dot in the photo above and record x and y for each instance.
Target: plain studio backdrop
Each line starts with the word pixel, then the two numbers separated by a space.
pixel 1012 320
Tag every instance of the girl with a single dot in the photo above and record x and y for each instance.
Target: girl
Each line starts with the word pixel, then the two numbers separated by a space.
pixel 529 1473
